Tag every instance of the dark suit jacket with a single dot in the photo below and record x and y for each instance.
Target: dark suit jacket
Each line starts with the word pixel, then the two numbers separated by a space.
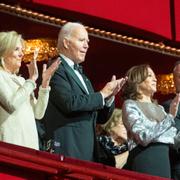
pixel 72 113
pixel 166 105
pixel 174 154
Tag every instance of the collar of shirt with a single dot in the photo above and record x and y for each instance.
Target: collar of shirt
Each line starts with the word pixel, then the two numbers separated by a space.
pixel 71 64
pixel 68 61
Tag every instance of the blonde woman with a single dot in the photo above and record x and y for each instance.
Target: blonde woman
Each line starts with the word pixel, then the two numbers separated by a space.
pixel 115 127
pixel 115 140
pixel 18 106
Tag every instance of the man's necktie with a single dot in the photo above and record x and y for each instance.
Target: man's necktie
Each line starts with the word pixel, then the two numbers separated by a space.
pixel 78 68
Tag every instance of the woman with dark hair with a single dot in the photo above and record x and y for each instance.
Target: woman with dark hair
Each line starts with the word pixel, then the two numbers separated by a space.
pixel 150 129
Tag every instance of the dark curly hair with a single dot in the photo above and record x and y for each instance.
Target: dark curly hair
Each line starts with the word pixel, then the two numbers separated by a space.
pixel 136 75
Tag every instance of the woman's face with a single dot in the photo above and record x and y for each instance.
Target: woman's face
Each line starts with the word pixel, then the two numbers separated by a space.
pixel 149 85
pixel 119 133
pixel 13 59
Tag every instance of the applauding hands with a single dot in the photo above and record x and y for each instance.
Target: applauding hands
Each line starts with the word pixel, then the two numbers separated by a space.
pixel 113 87
pixel 174 105
pixel 46 73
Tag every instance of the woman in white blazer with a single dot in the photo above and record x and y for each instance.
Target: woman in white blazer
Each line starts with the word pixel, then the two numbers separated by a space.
pixel 18 106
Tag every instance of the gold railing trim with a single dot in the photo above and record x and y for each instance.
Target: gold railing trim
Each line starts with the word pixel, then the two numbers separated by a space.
pixel 123 39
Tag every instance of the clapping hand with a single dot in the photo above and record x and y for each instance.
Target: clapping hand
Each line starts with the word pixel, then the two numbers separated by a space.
pixel 119 84
pixel 113 87
pixel 174 105
pixel 32 67
pixel 48 72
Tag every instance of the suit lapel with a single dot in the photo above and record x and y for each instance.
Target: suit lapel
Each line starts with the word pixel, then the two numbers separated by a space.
pixel 73 74
pixel 88 84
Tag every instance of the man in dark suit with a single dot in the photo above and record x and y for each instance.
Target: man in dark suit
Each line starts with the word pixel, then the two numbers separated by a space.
pixel 175 154
pixel 74 107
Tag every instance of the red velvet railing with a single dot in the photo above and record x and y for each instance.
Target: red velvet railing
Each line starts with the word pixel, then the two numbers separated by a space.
pixel 19 163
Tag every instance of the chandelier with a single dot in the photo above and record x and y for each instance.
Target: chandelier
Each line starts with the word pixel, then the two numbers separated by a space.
pixel 165 83
pixel 47 49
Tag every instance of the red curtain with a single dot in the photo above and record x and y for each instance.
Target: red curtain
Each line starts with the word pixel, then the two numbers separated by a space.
pixel 152 15
pixel 177 19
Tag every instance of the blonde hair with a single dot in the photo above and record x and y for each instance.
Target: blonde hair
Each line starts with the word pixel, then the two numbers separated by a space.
pixel 114 120
pixel 8 42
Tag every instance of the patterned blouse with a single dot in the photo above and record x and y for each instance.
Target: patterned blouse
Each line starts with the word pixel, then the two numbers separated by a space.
pixel 107 143
pixel 147 123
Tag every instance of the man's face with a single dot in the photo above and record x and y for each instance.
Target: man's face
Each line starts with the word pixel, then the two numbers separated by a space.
pixel 176 76
pixel 77 44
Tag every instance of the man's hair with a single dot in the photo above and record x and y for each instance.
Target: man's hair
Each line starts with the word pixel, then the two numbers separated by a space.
pixel 66 31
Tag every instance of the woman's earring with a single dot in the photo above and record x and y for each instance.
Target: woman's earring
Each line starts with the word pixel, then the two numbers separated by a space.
pixel 2 62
